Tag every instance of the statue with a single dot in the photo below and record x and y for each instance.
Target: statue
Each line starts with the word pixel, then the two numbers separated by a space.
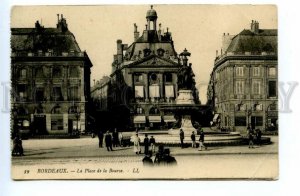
pixel 186 77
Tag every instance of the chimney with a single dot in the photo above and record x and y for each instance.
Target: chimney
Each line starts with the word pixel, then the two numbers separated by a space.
pixel 136 33
pixel 119 51
pixel 254 27
pixel 57 18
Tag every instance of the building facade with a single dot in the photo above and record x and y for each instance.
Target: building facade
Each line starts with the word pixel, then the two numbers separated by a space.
pixel 144 77
pixel 50 79
pixel 243 84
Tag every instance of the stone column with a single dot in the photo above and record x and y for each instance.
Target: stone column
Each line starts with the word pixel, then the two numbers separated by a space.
pixel 65 122
pixel 146 86
pixel 48 122
pixel 161 86
pixel 81 76
pixel 174 77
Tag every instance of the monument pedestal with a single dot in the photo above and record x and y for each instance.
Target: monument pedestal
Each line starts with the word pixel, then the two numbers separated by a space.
pixel 185 98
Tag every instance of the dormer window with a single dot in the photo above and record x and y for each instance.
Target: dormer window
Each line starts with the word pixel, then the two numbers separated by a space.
pixel 160 52
pixel 147 52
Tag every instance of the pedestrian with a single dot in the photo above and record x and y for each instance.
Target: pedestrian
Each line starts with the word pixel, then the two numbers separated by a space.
pixel 108 141
pixel 258 136
pixel 17 147
pixel 100 137
pixel 146 144
pixel 136 144
pixel 159 155
pixel 115 138
pixel 201 140
pixel 181 135
pixel 193 138
pixel 167 159
pixel 120 138
pixel 152 144
pixel 250 138
pixel 147 161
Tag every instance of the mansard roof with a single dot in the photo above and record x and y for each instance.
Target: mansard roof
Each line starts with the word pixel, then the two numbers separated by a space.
pixel 247 41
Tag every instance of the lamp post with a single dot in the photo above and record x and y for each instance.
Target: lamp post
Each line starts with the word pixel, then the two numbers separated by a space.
pixel 249 113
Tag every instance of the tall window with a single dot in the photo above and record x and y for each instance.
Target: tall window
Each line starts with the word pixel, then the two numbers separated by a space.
pixel 256 87
pixel 139 91
pixel 39 72
pixel 73 94
pixel 257 120
pixel 74 72
pixel 239 87
pixel 272 71
pixel 138 78
pixel 239 71
pixel 168 77
pixel 22 92
pixel 22 73
pixel 39 94
pixel 56 94
pixel 240 121
pixel 256 71
pixel 56 72
pixel 169 91
pixel 272 89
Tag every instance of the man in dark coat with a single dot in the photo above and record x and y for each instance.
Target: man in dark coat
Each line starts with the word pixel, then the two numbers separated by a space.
pixel 152 144
pixel 147 161
pixel 181 135
pixel 201 140
pixel 193 138
pixel 100 137
pixel 258 136
pixel 108 141
pixel 146 144
pixel 115 138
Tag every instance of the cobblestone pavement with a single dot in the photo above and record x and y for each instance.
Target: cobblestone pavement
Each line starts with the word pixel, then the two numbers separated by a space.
pixel 88 147
pixel 82 158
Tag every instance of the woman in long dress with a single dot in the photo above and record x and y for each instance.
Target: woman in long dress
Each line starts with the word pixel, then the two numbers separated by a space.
pixel 136 144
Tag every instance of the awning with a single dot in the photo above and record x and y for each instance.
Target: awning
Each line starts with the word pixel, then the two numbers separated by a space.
pixel 139 119
pixel 169 118
pixel 154 119
pixel 216 116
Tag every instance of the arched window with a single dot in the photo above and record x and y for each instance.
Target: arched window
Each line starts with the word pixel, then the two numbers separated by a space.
pixel 56 110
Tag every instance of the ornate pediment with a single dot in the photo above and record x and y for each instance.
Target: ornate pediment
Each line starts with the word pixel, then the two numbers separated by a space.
pixel 153 61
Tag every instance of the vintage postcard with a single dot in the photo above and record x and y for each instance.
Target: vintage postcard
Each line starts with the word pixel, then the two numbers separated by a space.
pixel 171 92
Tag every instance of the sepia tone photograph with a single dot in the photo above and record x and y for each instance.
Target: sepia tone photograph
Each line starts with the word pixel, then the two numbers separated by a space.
pixel 166 92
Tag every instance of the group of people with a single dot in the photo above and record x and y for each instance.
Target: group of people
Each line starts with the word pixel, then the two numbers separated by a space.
pixel 148 142
pixel 193 138
pixel 253 135
pixel 111 140
pixel 162 158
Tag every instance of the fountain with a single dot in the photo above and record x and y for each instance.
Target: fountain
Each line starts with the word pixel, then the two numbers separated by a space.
pixel 185 103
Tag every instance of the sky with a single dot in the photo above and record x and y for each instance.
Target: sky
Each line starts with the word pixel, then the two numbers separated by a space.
pixel 198 28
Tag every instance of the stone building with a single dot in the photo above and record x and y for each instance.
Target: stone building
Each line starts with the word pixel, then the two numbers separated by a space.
pixel 144 77
pixel 50 79
pixel 244 80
